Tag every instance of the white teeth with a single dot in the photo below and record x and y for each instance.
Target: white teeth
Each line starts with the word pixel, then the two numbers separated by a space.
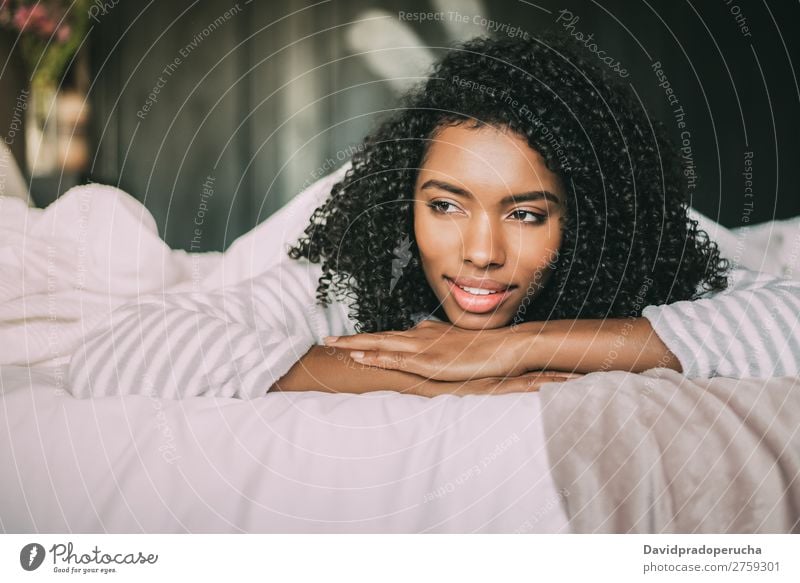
pixel 477 291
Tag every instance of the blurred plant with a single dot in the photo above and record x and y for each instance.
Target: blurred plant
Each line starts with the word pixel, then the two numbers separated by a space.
pixel 50 32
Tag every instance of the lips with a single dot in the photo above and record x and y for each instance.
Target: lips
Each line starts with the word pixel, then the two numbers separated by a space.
pixel 478 302
pixel 484 284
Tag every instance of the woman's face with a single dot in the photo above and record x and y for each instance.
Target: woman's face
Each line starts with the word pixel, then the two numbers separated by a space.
pixel 488 217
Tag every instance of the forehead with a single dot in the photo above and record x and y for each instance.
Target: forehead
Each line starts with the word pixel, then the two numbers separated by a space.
pixel 487 158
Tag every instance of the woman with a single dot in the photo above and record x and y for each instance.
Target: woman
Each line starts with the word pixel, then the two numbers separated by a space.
pixel 519 220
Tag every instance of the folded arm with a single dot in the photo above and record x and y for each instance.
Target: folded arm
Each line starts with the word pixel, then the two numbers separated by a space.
pixel 444 352
pixel 329 369
pixel 751 330
pixel 233 342
pixel 628 344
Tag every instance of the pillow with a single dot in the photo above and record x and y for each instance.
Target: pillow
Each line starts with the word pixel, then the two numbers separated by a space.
pixel 266 245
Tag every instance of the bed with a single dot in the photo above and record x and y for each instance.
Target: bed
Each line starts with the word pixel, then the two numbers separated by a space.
pixel 608 452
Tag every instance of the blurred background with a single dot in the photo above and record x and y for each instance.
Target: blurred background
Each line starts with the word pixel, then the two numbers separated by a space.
pixel 225 110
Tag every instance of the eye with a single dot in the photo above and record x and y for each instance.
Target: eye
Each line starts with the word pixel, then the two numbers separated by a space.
pixel 441 206
pixel 533 217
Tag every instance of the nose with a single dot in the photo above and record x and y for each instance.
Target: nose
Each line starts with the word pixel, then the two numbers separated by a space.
pixel 484 246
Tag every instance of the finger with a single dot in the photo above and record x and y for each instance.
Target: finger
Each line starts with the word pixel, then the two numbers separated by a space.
pixel 529 384
pixel 535 385
pixel 558 373
pixel 370 341
pixel 419 363
pixel 381 359
pixel 549 379
pixel 341 340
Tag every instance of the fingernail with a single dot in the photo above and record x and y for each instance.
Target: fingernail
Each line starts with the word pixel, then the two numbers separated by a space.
pixel 329 339
pixel 355 355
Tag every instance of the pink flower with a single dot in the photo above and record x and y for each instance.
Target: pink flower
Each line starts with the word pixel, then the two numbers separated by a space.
pixel 21 17
pixel 63 32
pixel 43 24
pixel 35 19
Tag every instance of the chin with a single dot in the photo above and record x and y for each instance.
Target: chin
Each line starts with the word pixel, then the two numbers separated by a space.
pixel 472 321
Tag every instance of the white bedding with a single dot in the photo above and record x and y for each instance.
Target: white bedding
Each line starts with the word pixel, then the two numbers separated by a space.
pixel 299 462
pixel 305 462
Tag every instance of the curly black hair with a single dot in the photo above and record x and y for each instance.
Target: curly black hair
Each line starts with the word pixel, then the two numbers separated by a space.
pixel 627 240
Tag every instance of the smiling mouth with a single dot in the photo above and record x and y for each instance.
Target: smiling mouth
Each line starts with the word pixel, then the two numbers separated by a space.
pixel 477 300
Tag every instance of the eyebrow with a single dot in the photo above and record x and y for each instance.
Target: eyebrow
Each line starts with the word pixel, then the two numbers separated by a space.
pixel 510 199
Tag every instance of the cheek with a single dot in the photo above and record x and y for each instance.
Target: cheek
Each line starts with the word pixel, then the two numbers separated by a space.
pixel 534 254
pixel 437 240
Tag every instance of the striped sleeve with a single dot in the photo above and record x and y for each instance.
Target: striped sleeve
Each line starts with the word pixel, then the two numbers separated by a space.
pixel 234 342
pixel 749 330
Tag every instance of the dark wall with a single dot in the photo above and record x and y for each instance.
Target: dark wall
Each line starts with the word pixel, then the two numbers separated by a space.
pixel 273 96
pixel 14 94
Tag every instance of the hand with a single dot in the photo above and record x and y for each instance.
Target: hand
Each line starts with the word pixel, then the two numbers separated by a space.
pixel 440 351
pixel 525 383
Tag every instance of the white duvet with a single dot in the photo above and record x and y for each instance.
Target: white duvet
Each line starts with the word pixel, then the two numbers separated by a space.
pixel 299 462
pixel 305 462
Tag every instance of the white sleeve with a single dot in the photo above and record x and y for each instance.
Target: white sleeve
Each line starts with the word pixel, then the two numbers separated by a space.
pixel 751 329
pixel 233 342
